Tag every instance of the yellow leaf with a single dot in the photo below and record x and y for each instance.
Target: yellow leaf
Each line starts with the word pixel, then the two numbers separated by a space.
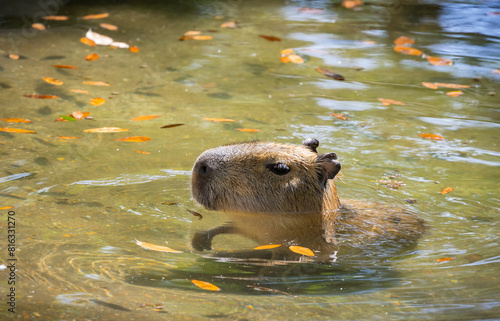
pixel 301 250
pixel 339 116
pixel 158 248
pixel 192 33
pixel 286 52
pixel 53 81
pixel 16 130
pixel 205 285
pixel 16 120
pixel 134 139
pixel 349 4
pixel 142 152
pixel 6 207
pixel 133 49
pixel 248 130
pixel 106 130
pixel 67 137
pixel 267 247
pixel 14 57
pixel 148 117
pixel 41 96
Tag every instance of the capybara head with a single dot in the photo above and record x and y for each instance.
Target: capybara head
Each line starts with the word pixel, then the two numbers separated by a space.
pixel 262 177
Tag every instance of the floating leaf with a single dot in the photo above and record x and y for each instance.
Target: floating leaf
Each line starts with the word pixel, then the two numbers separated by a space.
pixel 88 42
pixel 108 26
pixel 330 74
pixel 285 59
pixel 52 81
pixel 192 33
pixel 79 91
pixel 38 26
pixel 248 130
pixel 218 120
pixel 96 83
pixel 267 247
pixel 142 152
pixel 408 50
pixel 80 115
pixel 95 16
pixel 229 24
pixel 339 116
pixel 432 136
pixel 41 96
pixel 296 59
pixel 439 61
pixel 286 52
pixel 195 38
pixel 445 259
pixel 171 126
pixel 98 39
pixel 56 18
pixel 6 207
pixel 97 101
pixel 205 285
pixel 106 130
pixel 369 42
pixel 67 137
pixel 455 93
pixel 446 190
pixel 141 118
pixel 349 4
pixel 195 214
pixel 134 139
pixel 270 38
pixel 65 66
pixel 310 10
pixel 16 130
pixel 436 85
pixel 92 57
pixel 14 57
pixel 133 49
pixel 301 250
pixel 496 71
pixel 16 120
pixel 404 40
pixel 65 118
pixel 158 248
pixel 119 45
pixel 388 102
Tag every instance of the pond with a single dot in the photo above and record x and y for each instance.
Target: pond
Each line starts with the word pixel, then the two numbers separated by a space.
pixel 80 199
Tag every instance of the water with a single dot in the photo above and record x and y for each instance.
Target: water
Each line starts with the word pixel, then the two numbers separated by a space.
pixel 79 204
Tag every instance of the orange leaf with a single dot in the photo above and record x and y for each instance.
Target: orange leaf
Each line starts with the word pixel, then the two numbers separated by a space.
pixel 158 248
pixel 267 247
pixel 67 137
pixel 446 190
pixel 106 130
pixel 80 115
pixel 41 96
pixel 408 50
pixel 38 26
pixel 133 49
pixel 134 139
pixel 439 61
pixel 53 81
pixel 404 40
pixel 142 152
pixel 285 59
pixel 192 33
pixel 435 85
pixel 388 102
pixel 97 101
pixel 301 250
pixel 339 116
pixel 16 120
pixel 432 136
pixel 195 38
pixel 88 42
pixel 248 130
pixel 310 10
pixel 95 16
pixel 445 259
pixel 330 74
pixel 55 18
pixel 229 24
pixel 108 26
pixel 92 57
pixel 286 52
pixel 14 57
pixel 96 83
pixel 296 59
pixel 6 207
pixel 79 91
pixel 205 285
pixel 217 120
pixel 349 4
pixel 496 71
pixel 141 118
pixel 65 66
pixel 16 130
pixel 270 38
pixel 455 93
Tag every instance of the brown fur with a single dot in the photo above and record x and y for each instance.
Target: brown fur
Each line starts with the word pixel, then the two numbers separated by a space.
pixel 300 207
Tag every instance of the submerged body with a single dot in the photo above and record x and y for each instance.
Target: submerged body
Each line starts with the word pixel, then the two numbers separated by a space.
pixel 285 194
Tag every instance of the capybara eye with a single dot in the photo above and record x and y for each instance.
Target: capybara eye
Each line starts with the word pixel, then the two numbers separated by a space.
pixel 278 169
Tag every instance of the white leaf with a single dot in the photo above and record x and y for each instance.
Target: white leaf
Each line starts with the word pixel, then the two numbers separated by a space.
pixel 99 39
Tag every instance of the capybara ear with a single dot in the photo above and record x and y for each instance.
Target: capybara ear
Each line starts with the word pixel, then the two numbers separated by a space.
pixel 328 166
pixel 312 144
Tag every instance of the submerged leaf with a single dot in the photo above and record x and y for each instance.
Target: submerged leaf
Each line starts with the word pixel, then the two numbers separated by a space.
pixel 408 50
pixel 95 16
pixel 205 285
pixel 229 24
pixel 339 116
pixel 142 152
pixel 52 81
pixel 330 73
pixel 270 38
pixel 171 125
pixel 79 91
pixel 455 93
pixel 16 130
pixel 108 26
pixel 439 61
pixel 65 66
pixel 158 248
pixel 432 136
pixel 248 130
pixel 67 137
pixel 92 57
pixel 195 38
pixel 445 259
pixel 134 139
pixel 388 102
pixel 350 4
pixel 404 40
pixel 148 117
pixel 105 130
pixel 41 96
pixel 96 83
pixel 133 49
pixel 436 85
pixel 195 214
pixel 217 120
pixel 296 59
pixel 301 250
pixel 38 26
pixel 56 18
